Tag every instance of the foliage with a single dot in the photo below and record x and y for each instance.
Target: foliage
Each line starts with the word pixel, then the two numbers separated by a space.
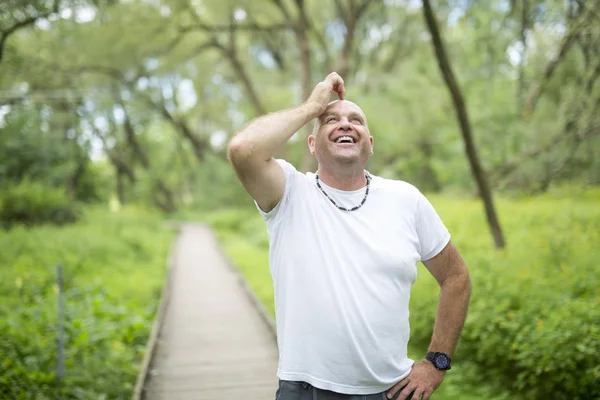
pixel 113 268
pixel 134 101
pixel 33 203
pixel 33 148
pixel 533 319
pixel 532 328
pixel 167 83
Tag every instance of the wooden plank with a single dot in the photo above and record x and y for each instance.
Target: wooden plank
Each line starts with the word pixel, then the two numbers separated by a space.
pixel 213 344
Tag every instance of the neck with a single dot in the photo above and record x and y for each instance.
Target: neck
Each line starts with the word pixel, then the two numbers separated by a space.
pixel 351 180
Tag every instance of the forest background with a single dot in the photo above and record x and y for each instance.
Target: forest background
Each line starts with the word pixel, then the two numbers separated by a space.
pixel 115 117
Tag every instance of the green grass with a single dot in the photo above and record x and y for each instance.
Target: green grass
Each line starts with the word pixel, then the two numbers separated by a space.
pixel 114 268
pixel 532 306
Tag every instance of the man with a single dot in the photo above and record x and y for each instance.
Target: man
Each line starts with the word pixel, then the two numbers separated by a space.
pixel 343 251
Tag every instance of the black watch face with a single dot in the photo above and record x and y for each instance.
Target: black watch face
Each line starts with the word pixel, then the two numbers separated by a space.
pixel 442 361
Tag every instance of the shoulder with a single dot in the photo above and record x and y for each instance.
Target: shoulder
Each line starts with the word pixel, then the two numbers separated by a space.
pixel 293 178
pixel 285 164
pixel 400 194
pixel 395 185
pixel 292 172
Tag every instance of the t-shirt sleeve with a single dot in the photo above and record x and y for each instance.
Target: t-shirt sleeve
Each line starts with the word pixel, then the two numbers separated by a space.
pixel 433 234
pixel 290 177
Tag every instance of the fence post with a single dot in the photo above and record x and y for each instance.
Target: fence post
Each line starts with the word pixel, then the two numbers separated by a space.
pixel 61 334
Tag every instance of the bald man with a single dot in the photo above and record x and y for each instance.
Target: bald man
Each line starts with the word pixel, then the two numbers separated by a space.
pixel 344 247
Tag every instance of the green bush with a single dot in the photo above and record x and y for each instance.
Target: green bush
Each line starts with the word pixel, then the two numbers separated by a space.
pixel 236 221
pixel 113 271
pixel 534 316
pixel 533 327
pixel 33 203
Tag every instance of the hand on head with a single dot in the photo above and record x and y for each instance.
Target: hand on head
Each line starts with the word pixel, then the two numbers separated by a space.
pixel 322 92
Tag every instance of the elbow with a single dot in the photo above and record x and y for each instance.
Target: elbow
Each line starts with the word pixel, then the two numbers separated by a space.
pixel 237 150
pixel 243 152
pixel 466 284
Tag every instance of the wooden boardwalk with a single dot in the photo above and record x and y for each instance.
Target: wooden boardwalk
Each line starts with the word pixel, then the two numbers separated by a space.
pixel 213 343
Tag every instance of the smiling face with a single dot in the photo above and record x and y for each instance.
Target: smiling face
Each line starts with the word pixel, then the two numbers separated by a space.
pixel 341 136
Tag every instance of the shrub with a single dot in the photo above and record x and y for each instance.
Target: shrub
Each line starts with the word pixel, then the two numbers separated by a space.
pixel 533 319
pixel 533 326
pixel 33 203
pixel 113 273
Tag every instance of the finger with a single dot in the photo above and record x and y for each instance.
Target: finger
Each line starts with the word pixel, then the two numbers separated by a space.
pixel 334 79
pixel 406 393
pixel 426 395
pixel 417 394
pixel 342 91
pixel 397 387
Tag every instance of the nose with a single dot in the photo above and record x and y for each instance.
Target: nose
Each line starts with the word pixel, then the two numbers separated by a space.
pixel 345 124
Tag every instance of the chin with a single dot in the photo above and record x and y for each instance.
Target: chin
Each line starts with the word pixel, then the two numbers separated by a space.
pixel 344 159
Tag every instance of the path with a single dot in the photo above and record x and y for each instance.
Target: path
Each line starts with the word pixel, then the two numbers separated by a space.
pixel 213 343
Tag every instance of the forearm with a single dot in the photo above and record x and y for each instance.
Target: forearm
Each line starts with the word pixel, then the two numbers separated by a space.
pixel 451 313
pixel 265 135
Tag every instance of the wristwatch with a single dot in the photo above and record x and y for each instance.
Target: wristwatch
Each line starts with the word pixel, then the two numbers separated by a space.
pixel 440 360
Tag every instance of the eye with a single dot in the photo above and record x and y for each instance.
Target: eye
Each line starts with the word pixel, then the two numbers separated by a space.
pixel 330 119
pixel 356 119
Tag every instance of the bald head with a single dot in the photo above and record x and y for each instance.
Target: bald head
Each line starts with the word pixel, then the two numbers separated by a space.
pixel 339 108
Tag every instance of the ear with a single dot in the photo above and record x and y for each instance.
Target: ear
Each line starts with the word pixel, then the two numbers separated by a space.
pixel 311 144
pixel 372 143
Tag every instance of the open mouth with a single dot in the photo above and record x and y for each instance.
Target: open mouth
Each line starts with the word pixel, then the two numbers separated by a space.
pixel 345 139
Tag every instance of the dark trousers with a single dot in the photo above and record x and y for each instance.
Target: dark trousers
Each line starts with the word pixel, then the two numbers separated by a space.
pixel 294 390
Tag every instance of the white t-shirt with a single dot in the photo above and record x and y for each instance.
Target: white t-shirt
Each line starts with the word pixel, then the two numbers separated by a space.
pixel 342 280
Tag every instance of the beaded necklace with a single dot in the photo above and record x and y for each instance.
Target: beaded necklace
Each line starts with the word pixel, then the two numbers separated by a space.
pixel 344 208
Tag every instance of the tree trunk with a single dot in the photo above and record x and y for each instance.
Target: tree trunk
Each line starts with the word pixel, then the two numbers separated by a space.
pixel 343 66
pixel 309 162
pixel 132 140
pixel 75 178
pixel 463 119
pixel 429 174
pixel 523 34
pixel 168 203
pixel 120 185
pixel 350 15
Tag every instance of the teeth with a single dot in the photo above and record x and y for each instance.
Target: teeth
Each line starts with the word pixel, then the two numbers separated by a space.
pixel 344 139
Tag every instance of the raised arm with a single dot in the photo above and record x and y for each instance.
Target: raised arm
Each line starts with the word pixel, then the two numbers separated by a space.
pixel 251 151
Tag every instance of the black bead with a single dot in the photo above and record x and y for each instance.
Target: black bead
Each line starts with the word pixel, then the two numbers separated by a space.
pixel 367 176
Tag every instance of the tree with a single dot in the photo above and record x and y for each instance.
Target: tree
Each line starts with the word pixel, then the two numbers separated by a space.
pixel 463 119
pixel 190 76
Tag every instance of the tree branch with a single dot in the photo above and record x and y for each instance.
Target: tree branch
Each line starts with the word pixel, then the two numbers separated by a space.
pixel 511 166
pixel 284 11
pixel 565 46
pixel 114 158
pixel 11 101
pixel 22 24
pixel 130 133
pixel 240 71
pixel 236 27
pixel 199 144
